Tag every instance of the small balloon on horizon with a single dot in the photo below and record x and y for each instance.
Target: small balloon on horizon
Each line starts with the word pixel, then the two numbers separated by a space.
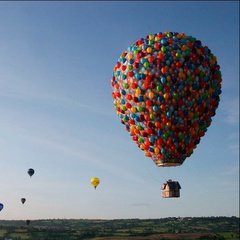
pixel 30 172
pixel 95 181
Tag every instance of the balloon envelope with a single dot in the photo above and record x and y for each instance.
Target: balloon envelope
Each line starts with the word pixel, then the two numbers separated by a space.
pixel 23 200
pixel 166 90
pixel 30 172
pixel 1 206
pixel 95 181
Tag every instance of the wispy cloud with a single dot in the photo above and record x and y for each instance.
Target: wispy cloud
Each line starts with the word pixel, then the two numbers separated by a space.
pixel 56 99
pixel 231 110
pixel 234 149
pixel 232 170
pixel 141 205
pixel 74 149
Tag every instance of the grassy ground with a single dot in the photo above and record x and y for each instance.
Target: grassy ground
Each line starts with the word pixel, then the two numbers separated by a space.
pixel 192 236
pixel 176 236
pixel 133 229
pixel 2 232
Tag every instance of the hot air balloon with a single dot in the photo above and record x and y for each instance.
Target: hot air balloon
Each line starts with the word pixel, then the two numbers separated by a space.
pixel 27 222
pixel 23 200
pixel 30 172
pixel 1 206
pixel 166 90
pixel 95 181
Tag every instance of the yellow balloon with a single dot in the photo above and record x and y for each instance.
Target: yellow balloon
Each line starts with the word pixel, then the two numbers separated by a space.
pixel 151 94
pixel 95 181
pixel 138 92
pixel 156 150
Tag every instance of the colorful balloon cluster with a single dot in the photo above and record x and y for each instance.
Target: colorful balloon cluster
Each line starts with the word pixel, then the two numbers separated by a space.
pixel 166 90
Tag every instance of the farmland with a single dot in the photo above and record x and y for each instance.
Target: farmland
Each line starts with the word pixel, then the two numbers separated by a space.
pixel 136 229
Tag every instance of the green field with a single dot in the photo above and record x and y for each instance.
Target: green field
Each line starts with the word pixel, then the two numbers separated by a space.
pixel 138 229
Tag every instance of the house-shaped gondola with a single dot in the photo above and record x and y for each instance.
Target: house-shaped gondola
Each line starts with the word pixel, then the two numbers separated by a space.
pixel 171 189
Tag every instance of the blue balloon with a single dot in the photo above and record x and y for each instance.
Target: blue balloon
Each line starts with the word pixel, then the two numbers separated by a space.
pixel 1 206
pixel 169 113
pixel 30 172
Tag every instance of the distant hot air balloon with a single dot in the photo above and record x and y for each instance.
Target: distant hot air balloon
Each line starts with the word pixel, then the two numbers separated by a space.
pixel 27 222
pixel 95 181
pixel 166 90
pixel 23 200
pixel 1 206
pixel 30 172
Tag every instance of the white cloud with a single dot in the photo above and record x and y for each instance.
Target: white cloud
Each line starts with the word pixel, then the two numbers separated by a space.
pixel 231 110
pixel 140 205
pixel 234 149
pixel 52 97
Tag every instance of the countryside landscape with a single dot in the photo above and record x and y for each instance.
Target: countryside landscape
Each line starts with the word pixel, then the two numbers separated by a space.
pixel 137 229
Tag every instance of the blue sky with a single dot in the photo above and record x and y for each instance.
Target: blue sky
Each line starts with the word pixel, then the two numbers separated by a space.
pixel 57 113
